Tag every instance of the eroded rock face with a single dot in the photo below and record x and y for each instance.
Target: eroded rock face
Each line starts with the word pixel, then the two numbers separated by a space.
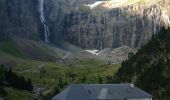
pixel 56 12
pixel 71 21
pixel 99 28
pixel 19 18
pixel 109 29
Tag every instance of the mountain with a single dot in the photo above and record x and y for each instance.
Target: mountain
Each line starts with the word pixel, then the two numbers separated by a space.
pixel 108 25
pixel 149 68
pixel 59 42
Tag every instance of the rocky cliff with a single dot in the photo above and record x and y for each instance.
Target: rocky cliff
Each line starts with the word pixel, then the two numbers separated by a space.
pixel 19 18
pixel 105 26
pixel 131 24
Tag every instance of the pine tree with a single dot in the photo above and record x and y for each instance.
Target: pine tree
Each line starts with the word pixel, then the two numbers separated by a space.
pixel 29 85
pixel 17 81
pixel 2 79
pixel 60 84
pixel 83 80
pixel 100 79
pixel 149 68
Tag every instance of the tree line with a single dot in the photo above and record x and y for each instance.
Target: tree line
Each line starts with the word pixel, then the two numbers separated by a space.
pixel 8 78
pixel 149 68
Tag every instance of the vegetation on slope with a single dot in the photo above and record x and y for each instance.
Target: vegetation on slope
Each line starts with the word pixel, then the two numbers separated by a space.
pixel 10 47
pixel 8 78
pixel 50 75
pixel 27 49
pixel 149 68
pixel 15 94
pixel 55 76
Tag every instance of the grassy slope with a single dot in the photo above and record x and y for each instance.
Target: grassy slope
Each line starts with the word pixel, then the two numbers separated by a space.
pixel 10 48
pixel 12 53
pixel 91 69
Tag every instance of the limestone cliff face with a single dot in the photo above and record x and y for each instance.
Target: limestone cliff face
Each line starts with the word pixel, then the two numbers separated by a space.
pixel 71 21
pixel 56 12
pixel 130 25
pixel 106 29
pixel 19 18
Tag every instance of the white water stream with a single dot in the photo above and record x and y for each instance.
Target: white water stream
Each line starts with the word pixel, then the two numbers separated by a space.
pixel 43 21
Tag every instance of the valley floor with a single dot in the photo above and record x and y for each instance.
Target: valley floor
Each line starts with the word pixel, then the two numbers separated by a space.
pixel 52 76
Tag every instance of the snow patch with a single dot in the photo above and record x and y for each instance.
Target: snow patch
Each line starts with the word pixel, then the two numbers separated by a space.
pixel 94 52
pixel 95 4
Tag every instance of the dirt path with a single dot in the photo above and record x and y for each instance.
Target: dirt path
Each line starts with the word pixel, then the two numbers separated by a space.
pixel 34 69
pixel 68 54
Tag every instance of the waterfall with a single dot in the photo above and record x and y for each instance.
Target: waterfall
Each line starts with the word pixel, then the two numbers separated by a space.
pixel 133 38
pixel 43 21
pixel 154 22
pixel 154 18
pixel 143 24
pixel 101 41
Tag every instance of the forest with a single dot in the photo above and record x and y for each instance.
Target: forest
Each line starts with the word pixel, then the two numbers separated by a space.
pixel 149 68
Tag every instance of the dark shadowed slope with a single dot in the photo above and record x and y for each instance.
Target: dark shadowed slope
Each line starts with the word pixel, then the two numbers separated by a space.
pixel 149 68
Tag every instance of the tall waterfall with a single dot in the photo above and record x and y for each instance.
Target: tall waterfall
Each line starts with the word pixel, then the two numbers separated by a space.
pixel 43 21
